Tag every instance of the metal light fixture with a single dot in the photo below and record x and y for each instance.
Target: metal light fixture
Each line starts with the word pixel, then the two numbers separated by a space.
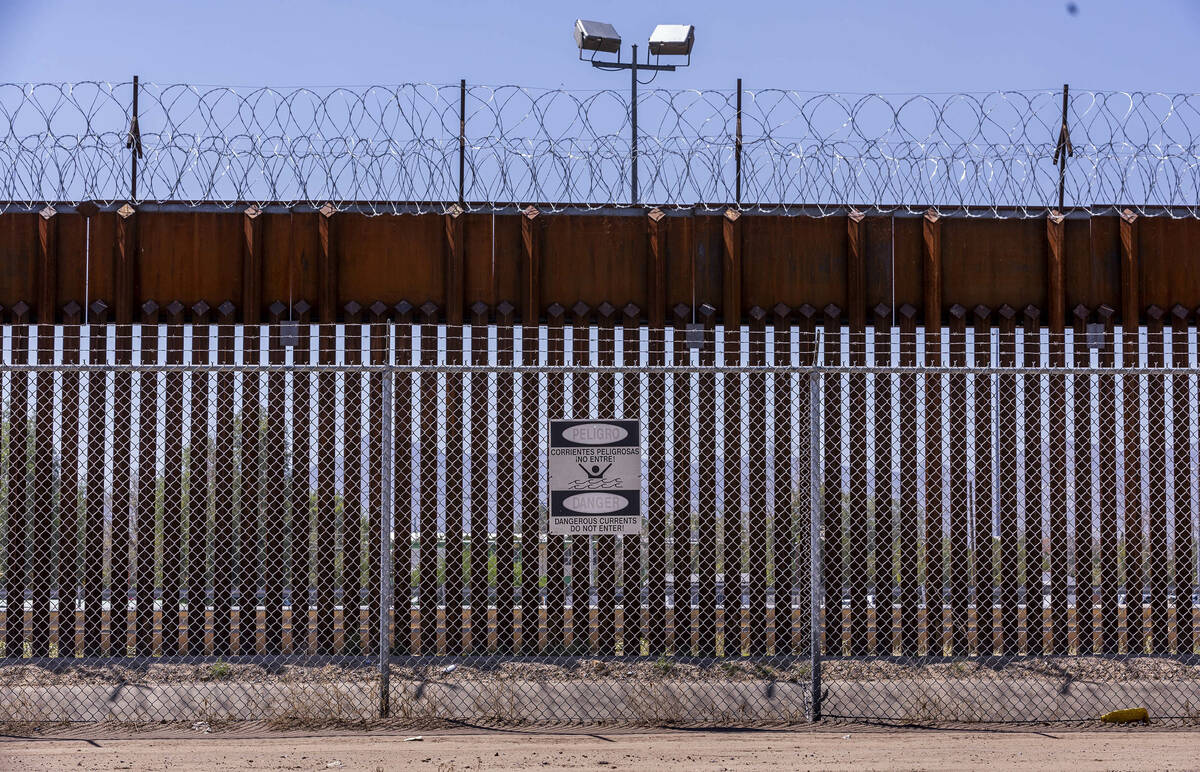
pixel 666 40
pixel 596 36
pixel 672 40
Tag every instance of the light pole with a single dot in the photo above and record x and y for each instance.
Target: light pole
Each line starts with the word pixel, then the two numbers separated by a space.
pixel 666 40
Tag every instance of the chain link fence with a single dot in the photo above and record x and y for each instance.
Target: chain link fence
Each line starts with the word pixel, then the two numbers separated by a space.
pixel 302 523
pixel 1002 560
pixel 398 148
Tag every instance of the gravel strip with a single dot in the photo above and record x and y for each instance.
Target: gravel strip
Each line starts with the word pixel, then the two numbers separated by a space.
pixel 1096 669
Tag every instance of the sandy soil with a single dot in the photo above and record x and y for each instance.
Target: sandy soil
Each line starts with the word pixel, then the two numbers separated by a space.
pixel 836 748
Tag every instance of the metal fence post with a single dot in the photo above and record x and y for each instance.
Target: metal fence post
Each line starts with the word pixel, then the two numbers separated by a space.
pixel 462 141
pixel 133 141
pixel 1063 148
pixel 737 144
pixel 633 155
pixel 816 521
pixel 385 543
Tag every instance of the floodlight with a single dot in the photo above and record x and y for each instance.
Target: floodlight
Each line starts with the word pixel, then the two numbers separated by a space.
pixel 672 40
pixel 667 40
pixel 596 36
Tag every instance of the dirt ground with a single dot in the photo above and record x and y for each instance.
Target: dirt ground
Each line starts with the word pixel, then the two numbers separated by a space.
pixel 856 747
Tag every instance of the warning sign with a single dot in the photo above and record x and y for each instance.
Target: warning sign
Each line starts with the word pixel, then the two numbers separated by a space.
pixel 595 477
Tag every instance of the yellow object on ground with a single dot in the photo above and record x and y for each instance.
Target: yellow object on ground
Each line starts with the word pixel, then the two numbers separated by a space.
pixel 1126 716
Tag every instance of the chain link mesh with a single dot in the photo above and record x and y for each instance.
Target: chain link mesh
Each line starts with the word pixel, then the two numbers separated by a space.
pixel 1011 528
pixel 172 546
pixel 209 523
pixel 190 523
pixel 388 149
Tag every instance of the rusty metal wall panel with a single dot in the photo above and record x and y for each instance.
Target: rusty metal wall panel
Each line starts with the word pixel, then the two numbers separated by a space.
pixel 594 259
pixel 389 258
pixel 18 249
pixel 693 259
pixel 880 262
pixel 100 259
pixel 991 262
pixel 289 257
pixel 491 258
pixel 507 278
pixel 193 256
pixel 906 260
pixel 188 256
pixel 1170 256
pixel 794 261
pixel 72 256
pixel 1093 271
pixel 706 240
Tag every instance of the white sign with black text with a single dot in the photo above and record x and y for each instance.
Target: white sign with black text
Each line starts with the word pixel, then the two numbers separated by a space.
pixel 595 477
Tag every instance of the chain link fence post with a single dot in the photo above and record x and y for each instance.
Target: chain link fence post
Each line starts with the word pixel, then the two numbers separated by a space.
pixel 816 520
pixel 385 543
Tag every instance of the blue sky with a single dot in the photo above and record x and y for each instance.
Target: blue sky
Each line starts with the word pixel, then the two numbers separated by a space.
pixel 934 45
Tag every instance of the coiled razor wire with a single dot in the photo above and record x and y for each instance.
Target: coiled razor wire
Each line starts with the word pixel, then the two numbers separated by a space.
pixel 389 149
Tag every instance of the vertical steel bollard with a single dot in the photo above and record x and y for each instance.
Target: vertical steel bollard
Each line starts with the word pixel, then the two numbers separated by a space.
pixel 385 539
pixel 816 522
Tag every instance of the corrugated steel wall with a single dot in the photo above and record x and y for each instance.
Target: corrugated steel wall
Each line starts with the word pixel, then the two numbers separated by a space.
pixel 267 264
